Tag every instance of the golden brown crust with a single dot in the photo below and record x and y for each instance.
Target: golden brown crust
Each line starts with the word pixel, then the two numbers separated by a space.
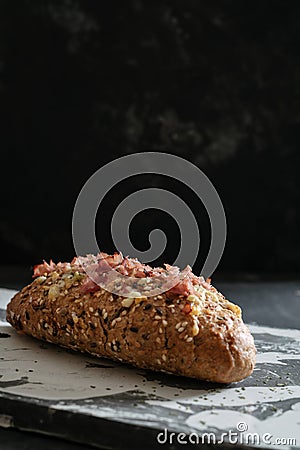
pixel 200 336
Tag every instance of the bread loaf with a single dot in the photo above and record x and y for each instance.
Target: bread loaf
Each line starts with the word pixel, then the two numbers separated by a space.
pixel 196 334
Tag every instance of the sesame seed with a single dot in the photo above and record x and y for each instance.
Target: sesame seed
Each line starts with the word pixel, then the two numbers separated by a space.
pixel 181 306
pixel 180 330
pixel 158 361
pixel 157 340
pixel 189 339
pixel 184 324
pixel 105 315
pixel 160 330
pixel 123 313
pixel 74 317
pixel 118 319
pixel 195 329
pixel 163 357
pixel 178 325
pixel 165 323
pixel 113 323
pixel 114 341
pixel 91 309
pixel 159 297
pixel 157 317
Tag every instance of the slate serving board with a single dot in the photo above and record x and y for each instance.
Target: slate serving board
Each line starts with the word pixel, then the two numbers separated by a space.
pixel 51 390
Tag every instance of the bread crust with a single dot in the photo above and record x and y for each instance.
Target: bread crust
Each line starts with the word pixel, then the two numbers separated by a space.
pixel 210 342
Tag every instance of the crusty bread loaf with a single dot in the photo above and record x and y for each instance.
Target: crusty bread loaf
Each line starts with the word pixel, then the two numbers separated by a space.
pixel 200 335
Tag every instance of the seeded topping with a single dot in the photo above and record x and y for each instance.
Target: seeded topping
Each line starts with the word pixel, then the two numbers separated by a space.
pixel 197 295
pixel 98 266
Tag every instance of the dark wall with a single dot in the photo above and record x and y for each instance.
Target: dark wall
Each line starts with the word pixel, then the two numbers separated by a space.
pixel 217 82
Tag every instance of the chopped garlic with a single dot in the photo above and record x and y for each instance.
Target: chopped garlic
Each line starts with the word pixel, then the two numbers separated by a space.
pixel 140 299
pixel 54 275
pixel 127 302
pixel 134 294
pixel 53 292
pixel 193 298
pixel 68 282
pixel 41 279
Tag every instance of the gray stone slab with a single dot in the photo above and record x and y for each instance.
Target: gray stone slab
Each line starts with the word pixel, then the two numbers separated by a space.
pixel 96 401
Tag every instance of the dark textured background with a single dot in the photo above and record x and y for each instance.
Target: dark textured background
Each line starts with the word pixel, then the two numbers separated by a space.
pixel 217 82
